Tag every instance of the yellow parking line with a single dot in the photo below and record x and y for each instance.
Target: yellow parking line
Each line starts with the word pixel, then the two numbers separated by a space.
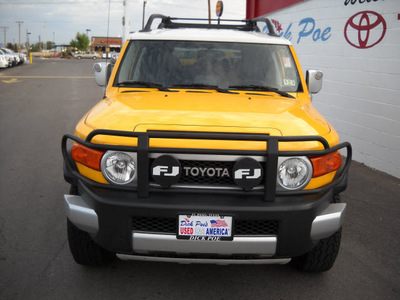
pixel 12 80
pixel 49 77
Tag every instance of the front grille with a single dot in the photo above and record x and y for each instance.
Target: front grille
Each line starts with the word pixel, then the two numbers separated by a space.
pixel 251 227
pixel 241 227
pixel 194 173
pixel 161 225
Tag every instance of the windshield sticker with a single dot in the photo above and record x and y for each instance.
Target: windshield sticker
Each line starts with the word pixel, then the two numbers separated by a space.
pixel 289 82
pixel 286 62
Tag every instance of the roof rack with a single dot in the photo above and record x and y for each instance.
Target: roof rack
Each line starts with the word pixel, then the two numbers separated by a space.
pixel 243 25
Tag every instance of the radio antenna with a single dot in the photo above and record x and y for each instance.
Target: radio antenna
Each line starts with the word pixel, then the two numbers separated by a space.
pixel 108 30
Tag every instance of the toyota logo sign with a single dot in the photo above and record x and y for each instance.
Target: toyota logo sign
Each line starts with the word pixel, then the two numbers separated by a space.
pixel 365 29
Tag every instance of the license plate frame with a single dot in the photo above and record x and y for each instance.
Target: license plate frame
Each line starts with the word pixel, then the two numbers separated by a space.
pixel 205 227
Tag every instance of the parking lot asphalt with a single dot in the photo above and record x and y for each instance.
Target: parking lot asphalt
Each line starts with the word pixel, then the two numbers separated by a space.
pixel 41 102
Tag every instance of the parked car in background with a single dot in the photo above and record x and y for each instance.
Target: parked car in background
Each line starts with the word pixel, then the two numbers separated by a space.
pixel 4 61
pixel 87 54
pixel 22 58
pixel 11 58
pixel 15 56
pixel 8 57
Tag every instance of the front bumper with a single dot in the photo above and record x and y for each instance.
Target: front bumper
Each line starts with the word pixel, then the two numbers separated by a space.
pixel 110 221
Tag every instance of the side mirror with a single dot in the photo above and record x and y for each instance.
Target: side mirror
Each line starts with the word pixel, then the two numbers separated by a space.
pixel 102 73
pixel 314 81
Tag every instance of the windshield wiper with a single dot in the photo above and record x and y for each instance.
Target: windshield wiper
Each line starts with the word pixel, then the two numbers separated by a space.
pixel 262 89
pixel 203 86
pixel 144 84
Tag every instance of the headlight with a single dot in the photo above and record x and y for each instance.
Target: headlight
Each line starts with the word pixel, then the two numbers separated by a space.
pixel 294 173
pixel 118 167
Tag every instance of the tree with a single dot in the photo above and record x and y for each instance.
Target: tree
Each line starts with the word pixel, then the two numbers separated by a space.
pixel 37 47
pixel 49 45
pixel 81 42
pixel 13 47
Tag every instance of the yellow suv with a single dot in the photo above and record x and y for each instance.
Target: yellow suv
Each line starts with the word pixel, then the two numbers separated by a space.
pixel 206 148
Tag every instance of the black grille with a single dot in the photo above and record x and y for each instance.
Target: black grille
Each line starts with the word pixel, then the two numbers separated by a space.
pixel 241 227
pixel 165 225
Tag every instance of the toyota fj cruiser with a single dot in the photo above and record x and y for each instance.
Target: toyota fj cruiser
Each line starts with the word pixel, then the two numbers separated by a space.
pixel 206 149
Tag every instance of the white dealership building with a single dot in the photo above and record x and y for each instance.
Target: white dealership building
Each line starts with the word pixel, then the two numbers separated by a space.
pixel 356 43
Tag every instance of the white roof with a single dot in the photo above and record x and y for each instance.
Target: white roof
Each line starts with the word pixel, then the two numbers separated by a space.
pixel 219 35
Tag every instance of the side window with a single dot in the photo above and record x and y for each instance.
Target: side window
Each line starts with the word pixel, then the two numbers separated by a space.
pixel 290 80
pixel 127 63
pixel 139 65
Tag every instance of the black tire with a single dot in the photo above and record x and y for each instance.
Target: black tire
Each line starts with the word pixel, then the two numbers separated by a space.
pixel 94 57
pixel 84 250
pixel 73 190
pixel 336 198
pixel 322 257
pixel 79 57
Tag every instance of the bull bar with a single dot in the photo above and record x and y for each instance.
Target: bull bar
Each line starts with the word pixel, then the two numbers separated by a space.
pixel 143 150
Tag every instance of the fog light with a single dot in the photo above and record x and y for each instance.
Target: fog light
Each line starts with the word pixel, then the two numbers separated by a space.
pixel 118 167
pixel 294 173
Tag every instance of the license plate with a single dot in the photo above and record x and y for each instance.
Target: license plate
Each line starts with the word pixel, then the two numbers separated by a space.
pixel 205 227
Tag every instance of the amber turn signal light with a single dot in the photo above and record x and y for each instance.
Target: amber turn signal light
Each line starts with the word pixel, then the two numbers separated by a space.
pixel 87 156
pixel 325 164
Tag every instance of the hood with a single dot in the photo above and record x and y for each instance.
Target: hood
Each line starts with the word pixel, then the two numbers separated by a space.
pixel 142 110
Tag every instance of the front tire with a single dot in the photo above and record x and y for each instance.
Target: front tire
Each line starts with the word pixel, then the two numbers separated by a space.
pixel 84 250
pixel 322 257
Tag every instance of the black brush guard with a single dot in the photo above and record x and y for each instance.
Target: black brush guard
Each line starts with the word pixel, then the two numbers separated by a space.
pixel 143 150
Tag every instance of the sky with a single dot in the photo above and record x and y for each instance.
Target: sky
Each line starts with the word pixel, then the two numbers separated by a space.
pixel 60 20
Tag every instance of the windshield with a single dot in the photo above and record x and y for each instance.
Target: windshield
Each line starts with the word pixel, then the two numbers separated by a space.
pixel 186 64
pixel 8 51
